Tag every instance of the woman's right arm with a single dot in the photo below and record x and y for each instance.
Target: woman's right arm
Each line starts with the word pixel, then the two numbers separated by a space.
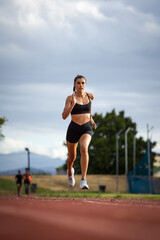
pixel 70 102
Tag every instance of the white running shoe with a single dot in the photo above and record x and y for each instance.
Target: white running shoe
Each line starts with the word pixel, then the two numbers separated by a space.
pixel 71 181
pixel 83 184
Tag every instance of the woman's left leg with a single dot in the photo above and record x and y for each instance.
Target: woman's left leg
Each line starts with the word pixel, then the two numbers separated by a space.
pixel 84 144
pixel 27 189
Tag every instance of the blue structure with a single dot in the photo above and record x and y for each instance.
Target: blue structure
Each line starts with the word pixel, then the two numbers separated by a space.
pixel 138 178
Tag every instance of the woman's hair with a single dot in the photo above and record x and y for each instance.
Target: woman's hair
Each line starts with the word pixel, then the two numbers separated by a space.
pixel 78 76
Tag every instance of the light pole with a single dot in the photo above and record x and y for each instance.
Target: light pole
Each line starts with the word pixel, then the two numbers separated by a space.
pixel 28 152
pixel 126 151
pixel 117 159
pixel 134 155
pixel 126 156
pixel 149 157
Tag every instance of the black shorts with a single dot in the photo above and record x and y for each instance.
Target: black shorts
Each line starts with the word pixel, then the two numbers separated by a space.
pixel 75 131
pixel 26 181
pixel 20 183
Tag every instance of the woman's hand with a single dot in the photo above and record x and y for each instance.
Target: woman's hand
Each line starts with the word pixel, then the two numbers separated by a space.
pixel 74 101
pixel 93 123
pixel 70 102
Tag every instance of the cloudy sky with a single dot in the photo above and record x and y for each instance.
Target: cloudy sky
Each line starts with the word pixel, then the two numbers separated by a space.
pixel 44 44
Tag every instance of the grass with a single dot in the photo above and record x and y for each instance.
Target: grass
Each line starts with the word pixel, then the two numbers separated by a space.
pixel 57 183
pixel 100 195
pixel 7 186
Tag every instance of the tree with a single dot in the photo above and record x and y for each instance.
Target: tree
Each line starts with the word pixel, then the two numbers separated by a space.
pixel 102 149
pixel 2 121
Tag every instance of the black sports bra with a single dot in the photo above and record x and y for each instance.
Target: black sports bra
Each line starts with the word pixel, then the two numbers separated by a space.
pixel 80 109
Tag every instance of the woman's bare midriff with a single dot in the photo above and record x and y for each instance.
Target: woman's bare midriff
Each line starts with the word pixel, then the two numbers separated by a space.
pixel 81 118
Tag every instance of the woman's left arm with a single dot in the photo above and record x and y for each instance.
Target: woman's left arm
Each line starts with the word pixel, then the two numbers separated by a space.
pixel 91 118
pixel 93 122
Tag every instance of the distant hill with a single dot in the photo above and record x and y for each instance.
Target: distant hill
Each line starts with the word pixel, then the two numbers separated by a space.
pixel 34 171
pixel 19 160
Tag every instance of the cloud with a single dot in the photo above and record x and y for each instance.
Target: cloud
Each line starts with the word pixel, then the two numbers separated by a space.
pixel 90 9
pixel 34 96
pixel 10 145
pixel 44 44
pixel 71 19
pixel 32 16
pixel 152 27
pixel 39 38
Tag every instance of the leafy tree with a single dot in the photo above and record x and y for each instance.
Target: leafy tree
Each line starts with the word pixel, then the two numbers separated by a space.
pixel 102 149
pixel 2 121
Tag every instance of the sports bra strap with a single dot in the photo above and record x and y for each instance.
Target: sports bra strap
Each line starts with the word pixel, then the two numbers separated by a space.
pixel 88 96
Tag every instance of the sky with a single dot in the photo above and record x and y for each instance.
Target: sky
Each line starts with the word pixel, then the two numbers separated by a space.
pixel 44 44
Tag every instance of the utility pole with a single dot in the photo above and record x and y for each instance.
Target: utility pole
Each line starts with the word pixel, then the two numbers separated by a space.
pixel 126 151
pixel 149 157
pixel 134 155
pixel 28 154
pixel 126 156
pixel 117 160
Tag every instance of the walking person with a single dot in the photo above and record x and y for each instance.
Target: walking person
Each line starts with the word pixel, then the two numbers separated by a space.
pixel 27 179
pixel 79 130
pixel 19 178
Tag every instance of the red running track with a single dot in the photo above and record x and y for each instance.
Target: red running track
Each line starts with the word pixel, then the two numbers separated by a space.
pixel 79 219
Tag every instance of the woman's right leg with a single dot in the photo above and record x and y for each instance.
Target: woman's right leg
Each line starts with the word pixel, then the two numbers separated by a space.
pixel 18 188
pixel 72 153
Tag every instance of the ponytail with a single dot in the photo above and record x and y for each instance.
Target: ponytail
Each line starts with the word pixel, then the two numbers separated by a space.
pixel 74 89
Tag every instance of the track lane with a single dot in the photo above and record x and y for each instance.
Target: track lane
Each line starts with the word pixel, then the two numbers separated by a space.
pixel 56 218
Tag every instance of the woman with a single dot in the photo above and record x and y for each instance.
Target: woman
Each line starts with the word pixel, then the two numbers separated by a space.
pixel 27 179
pixel 79 130
pixel 18 178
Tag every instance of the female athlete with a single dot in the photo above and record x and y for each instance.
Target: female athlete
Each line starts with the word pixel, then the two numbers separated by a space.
pixel 27 179
pixel 79 129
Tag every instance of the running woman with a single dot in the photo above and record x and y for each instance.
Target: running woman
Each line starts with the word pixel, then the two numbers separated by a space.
pixel 18 178
pixel 27 179
pixel 79 130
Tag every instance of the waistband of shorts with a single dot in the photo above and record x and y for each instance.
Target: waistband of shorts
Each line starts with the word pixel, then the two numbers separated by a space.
pixel 76 124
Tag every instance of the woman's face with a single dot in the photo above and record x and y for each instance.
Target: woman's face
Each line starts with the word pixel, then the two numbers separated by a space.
pixel 80 84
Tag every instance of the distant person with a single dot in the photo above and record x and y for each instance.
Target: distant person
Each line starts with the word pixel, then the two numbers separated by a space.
pixel 79 106
pixel 19 178
pixel 27 179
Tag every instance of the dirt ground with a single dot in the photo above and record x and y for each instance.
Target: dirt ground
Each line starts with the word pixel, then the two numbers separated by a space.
pixel 75 218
